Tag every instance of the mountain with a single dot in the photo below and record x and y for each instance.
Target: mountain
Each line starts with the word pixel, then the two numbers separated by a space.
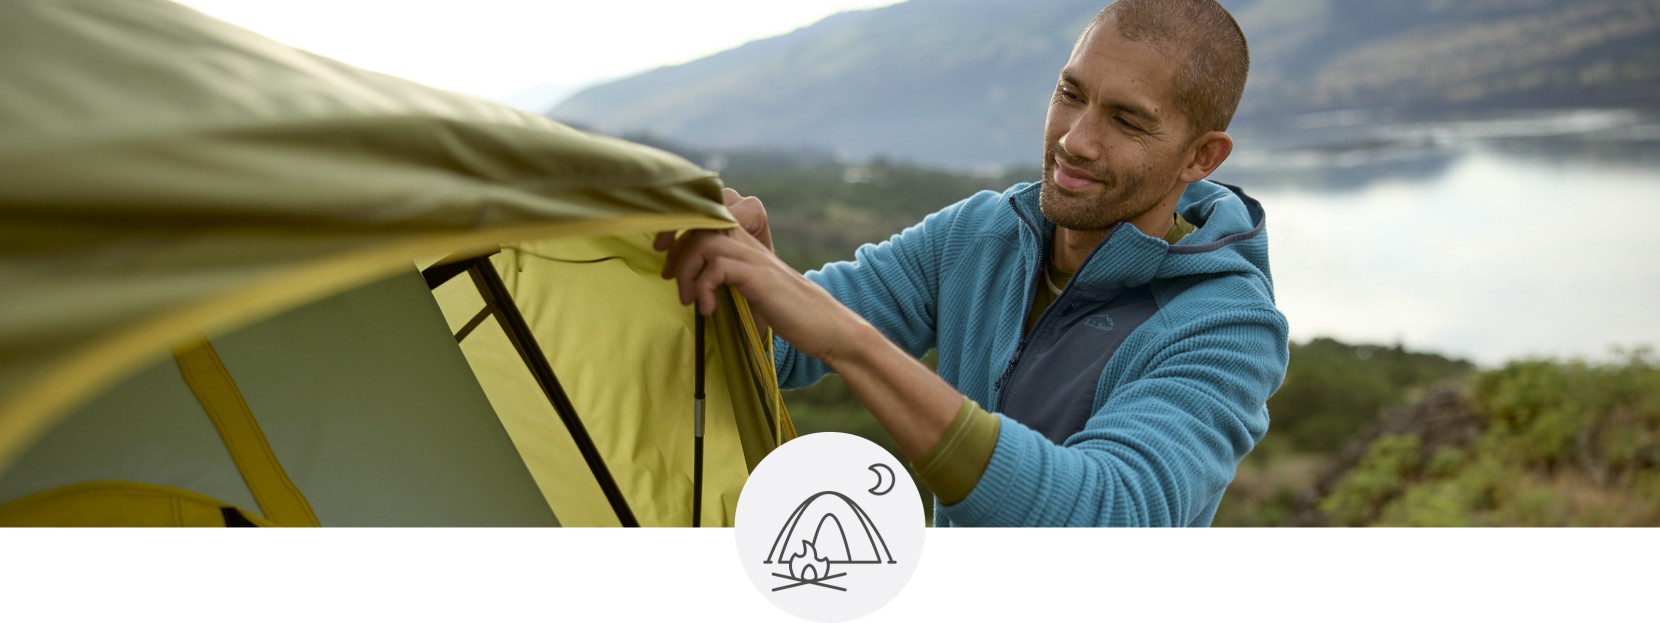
pixel 966 82
pixel 938 81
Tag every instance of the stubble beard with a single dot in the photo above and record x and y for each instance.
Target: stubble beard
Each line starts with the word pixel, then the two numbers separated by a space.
pixel 1090 211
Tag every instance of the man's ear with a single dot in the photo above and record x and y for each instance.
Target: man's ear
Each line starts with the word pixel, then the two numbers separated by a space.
pixel 1208 151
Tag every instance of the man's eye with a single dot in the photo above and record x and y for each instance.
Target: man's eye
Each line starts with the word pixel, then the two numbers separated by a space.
pixel 1126 124
pixel 1066 94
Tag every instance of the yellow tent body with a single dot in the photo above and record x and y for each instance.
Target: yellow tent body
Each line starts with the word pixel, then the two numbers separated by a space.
pixel 248 285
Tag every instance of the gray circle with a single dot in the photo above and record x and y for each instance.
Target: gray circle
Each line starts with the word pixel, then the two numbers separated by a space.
pixel 829 527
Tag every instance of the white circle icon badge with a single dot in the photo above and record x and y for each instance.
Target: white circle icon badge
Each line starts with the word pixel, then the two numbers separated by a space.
pixel 829 527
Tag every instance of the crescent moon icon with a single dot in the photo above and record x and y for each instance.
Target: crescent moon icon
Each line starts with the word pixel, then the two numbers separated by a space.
pixel 884 479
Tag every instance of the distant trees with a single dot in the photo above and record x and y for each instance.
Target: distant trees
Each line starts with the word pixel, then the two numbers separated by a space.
pixel 822 207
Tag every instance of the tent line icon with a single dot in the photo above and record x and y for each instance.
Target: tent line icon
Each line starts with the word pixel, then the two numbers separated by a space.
pixel 811 555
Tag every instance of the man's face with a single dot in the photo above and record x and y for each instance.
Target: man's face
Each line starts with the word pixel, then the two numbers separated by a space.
pixel 1114 141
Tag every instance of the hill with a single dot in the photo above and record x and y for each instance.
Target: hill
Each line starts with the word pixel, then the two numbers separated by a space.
pixel 965 83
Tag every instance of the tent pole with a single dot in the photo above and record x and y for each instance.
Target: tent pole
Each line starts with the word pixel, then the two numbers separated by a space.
pixel 518 332
pixel 697 427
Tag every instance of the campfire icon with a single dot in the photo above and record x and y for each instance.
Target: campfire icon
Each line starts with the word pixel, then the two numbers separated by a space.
pixel 810 560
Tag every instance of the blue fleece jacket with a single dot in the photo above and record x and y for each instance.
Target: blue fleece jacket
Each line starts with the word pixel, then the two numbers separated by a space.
pixel 1186 340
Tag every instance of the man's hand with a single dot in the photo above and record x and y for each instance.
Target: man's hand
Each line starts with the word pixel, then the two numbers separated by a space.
pixel 907 399
pixel 800 311
pixel 752 217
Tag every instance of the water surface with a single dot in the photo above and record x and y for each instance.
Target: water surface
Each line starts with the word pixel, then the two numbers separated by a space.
pixel 1491 239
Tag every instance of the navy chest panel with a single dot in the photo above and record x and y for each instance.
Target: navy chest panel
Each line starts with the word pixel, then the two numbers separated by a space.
pixel 1051 385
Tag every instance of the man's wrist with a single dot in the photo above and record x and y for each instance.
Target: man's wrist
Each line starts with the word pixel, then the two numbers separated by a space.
pixel 855 338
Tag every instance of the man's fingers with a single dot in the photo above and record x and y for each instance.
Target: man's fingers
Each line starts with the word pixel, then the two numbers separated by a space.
pixel 729 196
pixel 677 252
pixel 712 276
pixel 688 259
pixel 701 261
pixel 677 249
pixel 671 259
pixel 663 241
pixel 694 252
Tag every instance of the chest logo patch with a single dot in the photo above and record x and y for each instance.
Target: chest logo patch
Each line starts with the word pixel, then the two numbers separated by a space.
pixel 1099 321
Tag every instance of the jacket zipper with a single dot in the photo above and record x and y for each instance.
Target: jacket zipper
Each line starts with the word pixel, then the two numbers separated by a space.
pixel 1026 310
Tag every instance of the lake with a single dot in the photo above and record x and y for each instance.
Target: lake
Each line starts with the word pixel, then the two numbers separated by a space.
pixel 1527 234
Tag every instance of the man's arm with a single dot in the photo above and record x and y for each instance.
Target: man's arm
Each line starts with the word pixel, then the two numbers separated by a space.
pixel 1159 452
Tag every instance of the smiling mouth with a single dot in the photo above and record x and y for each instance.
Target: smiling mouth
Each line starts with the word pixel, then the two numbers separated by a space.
pixel 1072 178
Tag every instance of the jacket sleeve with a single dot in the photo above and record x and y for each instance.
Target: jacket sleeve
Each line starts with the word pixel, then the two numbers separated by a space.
pixel 1159 451
pixel 894 285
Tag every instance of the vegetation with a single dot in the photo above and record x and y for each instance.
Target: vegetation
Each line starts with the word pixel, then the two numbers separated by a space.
pixel 1332 392
pixel 1333 389
pixel 1560 443
pixel 1534 443
pixel 822 208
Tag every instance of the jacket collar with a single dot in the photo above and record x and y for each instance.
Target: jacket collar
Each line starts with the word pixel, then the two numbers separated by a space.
pixel 1223 216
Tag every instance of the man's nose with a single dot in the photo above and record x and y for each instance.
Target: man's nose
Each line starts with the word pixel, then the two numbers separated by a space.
pixel 1083 140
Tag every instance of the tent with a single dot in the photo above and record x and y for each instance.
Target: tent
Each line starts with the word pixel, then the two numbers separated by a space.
pixel 248 285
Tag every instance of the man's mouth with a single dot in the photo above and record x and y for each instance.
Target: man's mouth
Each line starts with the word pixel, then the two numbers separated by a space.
pixel 1072 178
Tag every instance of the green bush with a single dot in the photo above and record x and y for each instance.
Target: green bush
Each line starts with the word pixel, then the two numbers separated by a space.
pixel 1381 475
pixel 1333 389
pixel 1565 444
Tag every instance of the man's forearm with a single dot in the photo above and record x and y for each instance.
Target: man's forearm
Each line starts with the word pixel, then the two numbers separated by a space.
pixel 910 401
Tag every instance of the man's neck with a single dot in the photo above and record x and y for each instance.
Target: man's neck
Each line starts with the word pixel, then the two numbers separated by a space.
pixel 1073 246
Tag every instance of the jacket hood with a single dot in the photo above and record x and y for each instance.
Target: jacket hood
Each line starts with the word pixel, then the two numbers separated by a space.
pixel 1230 237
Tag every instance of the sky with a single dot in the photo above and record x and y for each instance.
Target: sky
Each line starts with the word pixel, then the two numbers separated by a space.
pixel 498 49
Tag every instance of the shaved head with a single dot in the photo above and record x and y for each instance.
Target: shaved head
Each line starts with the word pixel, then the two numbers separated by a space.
pixel 1211 77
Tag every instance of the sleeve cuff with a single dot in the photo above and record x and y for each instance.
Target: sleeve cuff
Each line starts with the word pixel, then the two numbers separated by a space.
pixel 954 466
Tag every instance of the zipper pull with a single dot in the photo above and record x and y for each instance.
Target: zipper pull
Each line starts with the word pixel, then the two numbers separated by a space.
pixel 1007 369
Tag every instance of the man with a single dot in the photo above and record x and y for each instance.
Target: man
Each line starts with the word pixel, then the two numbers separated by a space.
pixel 1090 371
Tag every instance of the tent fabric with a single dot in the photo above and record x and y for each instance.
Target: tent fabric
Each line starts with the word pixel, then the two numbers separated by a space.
pixel 164 175
pixel 216 390
pixel 105 503
pixel 645 436
pixel 364 398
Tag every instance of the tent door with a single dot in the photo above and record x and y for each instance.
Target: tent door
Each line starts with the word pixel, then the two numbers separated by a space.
pixel 499 303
